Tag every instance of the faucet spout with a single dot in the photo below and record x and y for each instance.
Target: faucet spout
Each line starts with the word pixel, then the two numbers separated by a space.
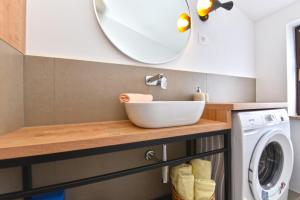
pixel 157 80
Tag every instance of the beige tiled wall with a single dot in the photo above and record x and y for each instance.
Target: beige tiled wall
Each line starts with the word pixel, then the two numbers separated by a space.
pixel 67 91
pixel 11 105
pixel 61 91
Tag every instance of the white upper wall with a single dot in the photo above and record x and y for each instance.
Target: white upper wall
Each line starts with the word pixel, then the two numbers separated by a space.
pixel 257 9
pixel 69 29
pixel 275 68
pixel 271 54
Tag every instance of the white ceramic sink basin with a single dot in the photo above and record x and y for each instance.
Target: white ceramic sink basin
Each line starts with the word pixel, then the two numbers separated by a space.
pixel 161 114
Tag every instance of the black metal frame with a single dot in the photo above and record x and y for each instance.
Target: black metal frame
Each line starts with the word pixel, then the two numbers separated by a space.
pixel 26 163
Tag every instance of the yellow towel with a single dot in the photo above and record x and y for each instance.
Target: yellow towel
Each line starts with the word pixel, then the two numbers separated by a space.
pixel 180 169
pixel 185 186
pixel 201 169
pixel 128 97
pixel 204 189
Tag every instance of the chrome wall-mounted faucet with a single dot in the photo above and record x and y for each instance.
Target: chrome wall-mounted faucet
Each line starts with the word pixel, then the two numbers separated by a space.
pixel 157 80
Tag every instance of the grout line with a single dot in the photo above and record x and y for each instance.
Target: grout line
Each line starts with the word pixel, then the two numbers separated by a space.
pixel 54 113
pixel 206 87
pixel 23 88
pixel 54 91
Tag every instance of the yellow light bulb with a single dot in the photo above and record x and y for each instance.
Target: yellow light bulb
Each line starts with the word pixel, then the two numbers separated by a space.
pixel 204 7
pixel 184 22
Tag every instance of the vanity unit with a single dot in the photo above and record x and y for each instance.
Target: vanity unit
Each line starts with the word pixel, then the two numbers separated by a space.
pixel 32 145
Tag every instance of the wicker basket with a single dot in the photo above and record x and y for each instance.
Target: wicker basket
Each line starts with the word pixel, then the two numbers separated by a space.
pixel 175 195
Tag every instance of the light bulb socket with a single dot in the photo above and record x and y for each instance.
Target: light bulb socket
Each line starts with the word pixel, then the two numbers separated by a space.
pixel 204 18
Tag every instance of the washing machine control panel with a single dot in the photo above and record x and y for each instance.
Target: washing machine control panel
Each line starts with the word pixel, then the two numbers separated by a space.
pixel 271 117
pixel 257 119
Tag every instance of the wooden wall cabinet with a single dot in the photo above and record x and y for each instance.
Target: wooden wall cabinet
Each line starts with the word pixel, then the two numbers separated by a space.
pixel 13 23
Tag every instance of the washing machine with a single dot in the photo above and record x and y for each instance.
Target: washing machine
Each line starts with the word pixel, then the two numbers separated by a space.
pixel 262 155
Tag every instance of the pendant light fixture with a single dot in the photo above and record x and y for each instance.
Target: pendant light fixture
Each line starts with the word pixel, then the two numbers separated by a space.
pixel 204 7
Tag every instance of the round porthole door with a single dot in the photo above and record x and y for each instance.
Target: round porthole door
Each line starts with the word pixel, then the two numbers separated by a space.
pixel 271 166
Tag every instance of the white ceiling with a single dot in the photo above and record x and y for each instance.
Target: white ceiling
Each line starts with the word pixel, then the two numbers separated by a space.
pixel 257 9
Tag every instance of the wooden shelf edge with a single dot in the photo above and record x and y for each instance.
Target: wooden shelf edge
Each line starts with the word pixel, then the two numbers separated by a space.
pixel 295 117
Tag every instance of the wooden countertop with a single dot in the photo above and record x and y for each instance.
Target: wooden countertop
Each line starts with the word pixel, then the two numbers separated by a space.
pixel 246 106
pixel 43 140
pixel 223 111
pixel 295 117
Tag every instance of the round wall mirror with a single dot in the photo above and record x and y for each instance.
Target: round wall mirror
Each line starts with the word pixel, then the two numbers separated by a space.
pixel 149 31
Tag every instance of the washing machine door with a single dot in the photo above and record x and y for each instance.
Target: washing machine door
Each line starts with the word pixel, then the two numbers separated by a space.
pixel 271 166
